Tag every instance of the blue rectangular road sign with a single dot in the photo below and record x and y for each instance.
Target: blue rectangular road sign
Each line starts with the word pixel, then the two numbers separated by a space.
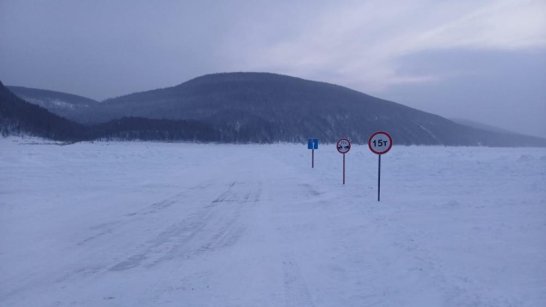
pixel 312 144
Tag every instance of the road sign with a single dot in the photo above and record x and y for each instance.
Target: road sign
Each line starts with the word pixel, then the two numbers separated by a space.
pixel 343 146
pixel 312 144
pixel 380 142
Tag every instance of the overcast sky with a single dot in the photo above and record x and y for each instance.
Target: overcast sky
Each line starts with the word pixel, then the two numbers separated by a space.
pixel 478 60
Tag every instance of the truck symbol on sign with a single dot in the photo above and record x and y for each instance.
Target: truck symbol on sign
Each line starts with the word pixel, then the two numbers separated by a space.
pixel 343 146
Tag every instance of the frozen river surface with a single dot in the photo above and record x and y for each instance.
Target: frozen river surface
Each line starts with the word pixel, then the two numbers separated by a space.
pixel 167 224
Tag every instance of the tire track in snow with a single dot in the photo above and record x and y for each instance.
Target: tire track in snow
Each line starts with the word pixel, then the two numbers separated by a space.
pixel 214 227
pixel 127 222
pixel 154 208
pixel 295 288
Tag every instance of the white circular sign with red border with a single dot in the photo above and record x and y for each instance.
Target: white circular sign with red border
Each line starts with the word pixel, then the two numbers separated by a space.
pixel 343 146
pixel 380 142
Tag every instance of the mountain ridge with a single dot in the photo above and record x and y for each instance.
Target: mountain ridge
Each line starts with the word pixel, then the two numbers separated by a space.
pixel 264 107
pixel 285 108
pixel 70 106
pixel 19 117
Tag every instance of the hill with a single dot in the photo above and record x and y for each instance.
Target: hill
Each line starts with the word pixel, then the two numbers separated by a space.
pixel 264 107
pixel 73 107
pixel 481 126
pixel 20 117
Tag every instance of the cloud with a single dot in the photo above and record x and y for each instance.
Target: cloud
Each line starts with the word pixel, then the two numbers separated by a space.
pixel 498 25
pixel 359 43
pixel 502 87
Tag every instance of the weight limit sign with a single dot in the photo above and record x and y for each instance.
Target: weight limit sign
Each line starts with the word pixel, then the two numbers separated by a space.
pixel 379 143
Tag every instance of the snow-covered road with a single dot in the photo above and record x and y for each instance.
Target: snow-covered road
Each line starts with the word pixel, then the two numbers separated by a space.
pixel 159 224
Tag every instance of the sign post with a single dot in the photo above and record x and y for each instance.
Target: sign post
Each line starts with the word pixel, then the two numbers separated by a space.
pixel 379 143
pixel 312 144
pixel 343 145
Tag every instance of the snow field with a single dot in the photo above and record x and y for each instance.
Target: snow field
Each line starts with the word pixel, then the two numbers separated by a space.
pixel 177 224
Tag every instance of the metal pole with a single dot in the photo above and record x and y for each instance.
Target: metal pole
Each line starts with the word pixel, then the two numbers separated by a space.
pixel 379 180
pixel 343 168
pixel 312 158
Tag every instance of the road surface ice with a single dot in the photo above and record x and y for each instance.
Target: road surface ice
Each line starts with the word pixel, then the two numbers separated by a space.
pixel 176 224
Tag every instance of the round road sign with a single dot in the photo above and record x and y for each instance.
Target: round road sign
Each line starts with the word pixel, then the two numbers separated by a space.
pixel 343 146
pixel 380 142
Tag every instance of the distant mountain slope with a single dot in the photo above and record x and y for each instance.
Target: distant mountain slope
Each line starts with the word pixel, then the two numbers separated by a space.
pixel 264 107
pixel 481 126
pixel 20 117
pixel 132 128
pixel 240 108
pixel 70 106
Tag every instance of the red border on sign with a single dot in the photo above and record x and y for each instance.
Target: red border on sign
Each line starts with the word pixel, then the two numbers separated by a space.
pixel 370 142
pixel 337 145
